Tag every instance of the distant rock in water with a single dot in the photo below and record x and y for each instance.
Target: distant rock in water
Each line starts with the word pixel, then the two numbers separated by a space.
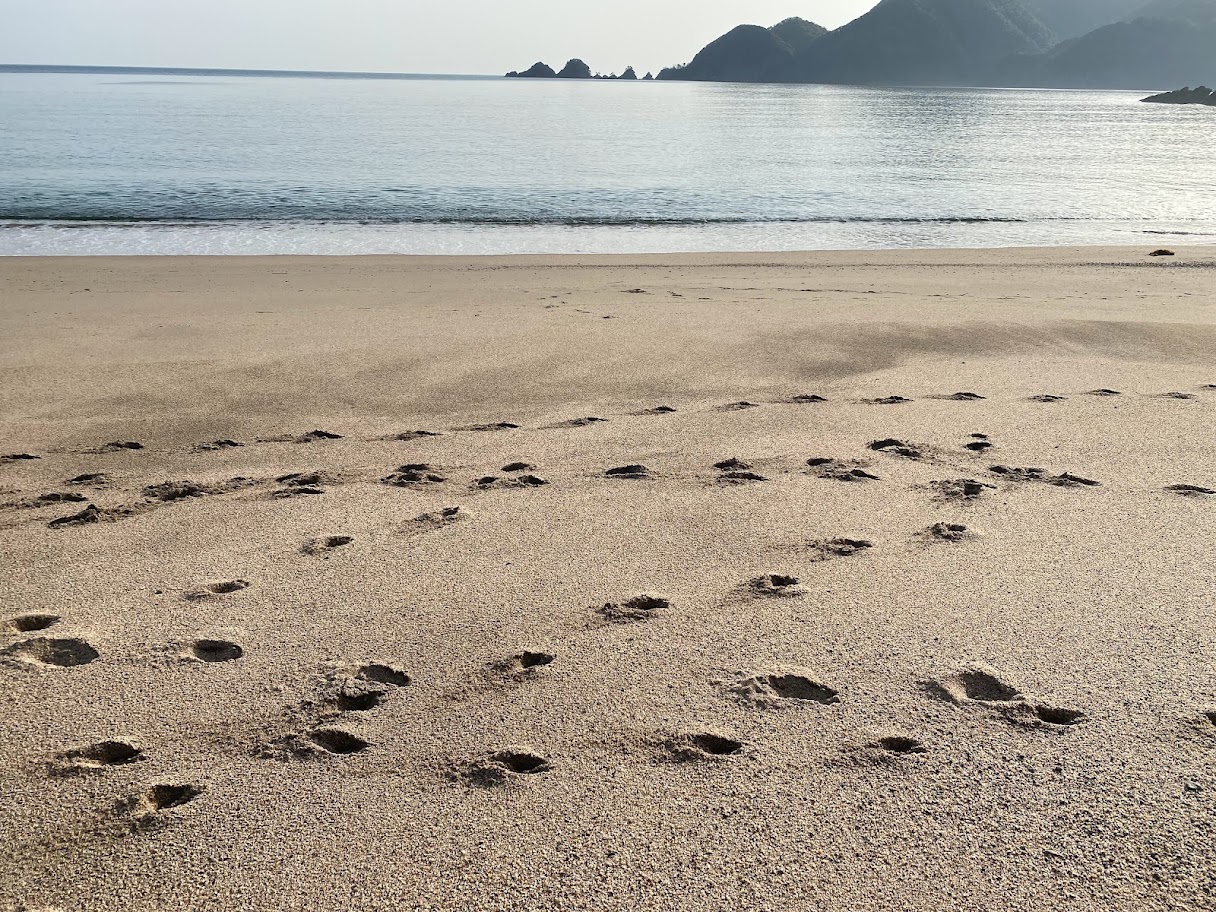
pixel 628 74
pixel 575 69
pixel 538 71
pixel 649 77
pixel 1201 95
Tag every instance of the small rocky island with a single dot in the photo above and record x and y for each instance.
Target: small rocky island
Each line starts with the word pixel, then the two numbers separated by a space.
pixel 1200 96
pixel 574 69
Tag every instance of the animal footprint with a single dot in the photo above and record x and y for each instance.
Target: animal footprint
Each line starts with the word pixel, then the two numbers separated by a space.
pixel 495 426
pixel 806 399
pixel 1047 397
pixel 576 423
pixel 337 741
pixel 741 406
pixel 45 651
pixel 18 457
pixel 415 435
pixel 520 481
pixel 979 443
pixel 658 410
pixel 638 608
pixel 224 444
pixel 314 436
pixel 325 544
pixel 1105 392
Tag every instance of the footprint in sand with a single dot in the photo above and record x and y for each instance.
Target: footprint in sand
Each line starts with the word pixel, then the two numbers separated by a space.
pixel 214 651
pixel 501 768
pixel 1047 397
pixel 516 669
pixel 494 426
pixel 981 686
pixel 415 435
pixel 414 475
pixel 886 400
pixel 116 446
pixel 638 608
pixel 741 406
pixel 840 470
pixel 95 758
pixel 437 519
pixel 50 652
pixel 388 675
pixel 90 514
pixel 147 808
pixel 832 548
pixel 893 447
pixel 1190 490
pixel 354 697
pixel 783 686
pixel 900 744
pixel 961 397
pixel 223 444
pixel 513 467
pixel 315 436
pixel 1065 480
pixel 1104 392
pixel 90 478
pixel 169 491
pixel 491 482
pixel 948 532
pixel 1183 396
pixel 979 443
pixel 29 623
pixel 736 471
pixel 776 585
pixel 702 747
pixel 207 590
pixel 806 399
pixel 18 457
pixel 301 483
pixel 960 489
pixel 576 423
pixel 337 741
pixel 325 544
pixel 658 410
pixel 628 471
pixel 56 497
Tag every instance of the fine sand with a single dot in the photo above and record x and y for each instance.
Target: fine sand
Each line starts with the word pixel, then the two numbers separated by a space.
pixel 793 655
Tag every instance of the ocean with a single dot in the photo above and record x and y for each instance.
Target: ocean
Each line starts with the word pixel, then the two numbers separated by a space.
pixel 230 163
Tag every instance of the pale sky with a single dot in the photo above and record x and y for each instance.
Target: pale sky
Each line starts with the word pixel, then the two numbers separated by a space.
pixel 443 36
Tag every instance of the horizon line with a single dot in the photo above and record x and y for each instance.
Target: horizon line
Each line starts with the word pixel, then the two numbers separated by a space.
pixel 228 71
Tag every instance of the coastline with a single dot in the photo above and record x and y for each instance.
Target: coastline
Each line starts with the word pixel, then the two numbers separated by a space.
pixel 1013 715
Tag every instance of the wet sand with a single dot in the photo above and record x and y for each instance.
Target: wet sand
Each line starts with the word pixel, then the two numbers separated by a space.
pixel 833 581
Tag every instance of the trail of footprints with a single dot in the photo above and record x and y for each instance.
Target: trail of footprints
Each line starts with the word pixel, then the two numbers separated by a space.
pixel 312 729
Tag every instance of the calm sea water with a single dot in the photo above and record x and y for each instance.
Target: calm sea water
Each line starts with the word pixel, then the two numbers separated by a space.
pixel 231 164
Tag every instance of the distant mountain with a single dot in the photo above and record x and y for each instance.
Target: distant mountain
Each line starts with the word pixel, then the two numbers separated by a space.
pixel 924 42
pixel 748 53
pixel 1073 18
pixel 799 34
pixel 1141 54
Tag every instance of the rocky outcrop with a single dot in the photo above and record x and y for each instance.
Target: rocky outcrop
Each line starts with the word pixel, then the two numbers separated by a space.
pixel 538 71
pixel 1201 95
pixel 575 69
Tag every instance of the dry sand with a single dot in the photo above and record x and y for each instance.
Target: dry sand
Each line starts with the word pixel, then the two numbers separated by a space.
pixel 211 702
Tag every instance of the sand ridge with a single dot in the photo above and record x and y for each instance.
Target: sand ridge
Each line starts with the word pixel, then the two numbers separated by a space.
pixel 789 599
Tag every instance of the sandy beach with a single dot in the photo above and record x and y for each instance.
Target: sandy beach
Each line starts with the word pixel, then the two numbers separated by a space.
pixel 837 581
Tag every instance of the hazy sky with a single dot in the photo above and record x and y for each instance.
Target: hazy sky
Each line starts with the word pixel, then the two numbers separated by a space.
pixel 440 36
